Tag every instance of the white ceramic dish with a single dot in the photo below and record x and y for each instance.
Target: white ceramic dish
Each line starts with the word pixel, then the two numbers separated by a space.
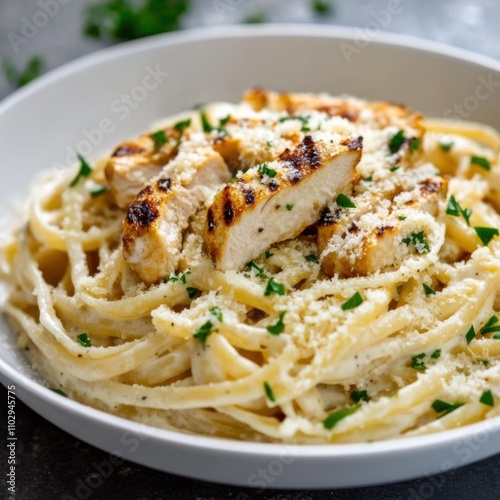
pixel 83 104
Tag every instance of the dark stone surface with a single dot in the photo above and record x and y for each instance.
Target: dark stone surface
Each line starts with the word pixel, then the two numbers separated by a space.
pixel 51 464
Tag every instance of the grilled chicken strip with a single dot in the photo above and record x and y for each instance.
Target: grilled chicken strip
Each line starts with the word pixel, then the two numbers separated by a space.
pixel 360 241
pixel 155 221
pixel 276 201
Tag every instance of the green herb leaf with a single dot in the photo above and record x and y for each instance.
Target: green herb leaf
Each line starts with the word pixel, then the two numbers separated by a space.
pixel 401 217
pixel 358 396
pixel 159 137
pixel 322 7
pixel 487 398
pixel 279 326
pixel 260 271
pixel 85 171
pixel 270 143
pixel 446 146
pixel 368 179
pixel 84 340
pixel 396 142
pixel 353 302
pixel 19 78
pixel 192 292
pixel 470 335
pixel 203 332
pixel 443 407
pixel 176 278
pixel 274 287
pixel 216 312
pixel 491 326
pixel 268 255
pixel 344 202
pixel 58 391
pixel 480 161
pixel 312 258
pixel 456 210
pixel 428 290
pixel 265 170
pixel 414 144
pixel 417 362
pixel 98 191
pixel 205 123
pixel 419 241
pixel 289 206
pixel 486 234
pixel 436 354
pixel 269 392
pixel 182 125
pixel 393 169
pixel 334 418
pixel 256 18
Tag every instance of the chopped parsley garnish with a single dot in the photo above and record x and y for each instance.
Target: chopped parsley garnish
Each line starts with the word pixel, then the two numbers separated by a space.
pixel 128 19
pixel 368 179
pixel 446 146
pixel 312 258
pixel 417 362
pixel 456 210
pixel 19 78
pixel 353 302
pixel 393 169
pixel 486 234
pixel 396 142
pixel 491 326
pixel 322 7
pixel 358 396
pixel 289 206
pixel 419 241
pixel 265 170
pixel 268 255
pixel 205 122
pixel 470 335
pixel 216 312
pixel 176 278
pixel 303 119
pixel 402 217
pixel 159 138
pixel 436 354
pixel 279 326
pixel 84 340
pixel 269 392
pixel 181 127
pixel 344 202
pixel 270 143
pixel 203 332
pixel 334 418
pixel 487 398
pixel 273 287
pixel 224 121
pixel 428 290
pixel 443 408
pixel 192 292
pixel 98 191
pixel 85 171
pixel 58 391
pixel 480 161
pixel 260 271
pixel 414 144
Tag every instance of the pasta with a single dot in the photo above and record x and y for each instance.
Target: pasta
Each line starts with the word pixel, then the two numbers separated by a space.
pixel 379 321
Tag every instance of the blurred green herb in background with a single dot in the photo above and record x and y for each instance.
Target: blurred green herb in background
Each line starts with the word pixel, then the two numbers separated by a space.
pixel 18 77
pixel 128 20
pixel 257 17
pixel 322 7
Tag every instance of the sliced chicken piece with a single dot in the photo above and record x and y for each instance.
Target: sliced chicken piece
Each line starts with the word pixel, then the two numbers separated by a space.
pixel 155 221
pixel 278 200
pixel 378 114
pixel 366 239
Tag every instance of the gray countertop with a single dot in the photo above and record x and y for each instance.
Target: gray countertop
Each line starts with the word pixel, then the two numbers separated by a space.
pixel 52 464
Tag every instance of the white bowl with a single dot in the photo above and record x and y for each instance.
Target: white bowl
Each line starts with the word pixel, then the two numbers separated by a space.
pixel 84 105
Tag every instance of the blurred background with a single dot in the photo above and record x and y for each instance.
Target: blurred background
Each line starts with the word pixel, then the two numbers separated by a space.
pixel 39 35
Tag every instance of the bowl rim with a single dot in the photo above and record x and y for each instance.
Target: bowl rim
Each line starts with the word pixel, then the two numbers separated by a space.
pixel 27 385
